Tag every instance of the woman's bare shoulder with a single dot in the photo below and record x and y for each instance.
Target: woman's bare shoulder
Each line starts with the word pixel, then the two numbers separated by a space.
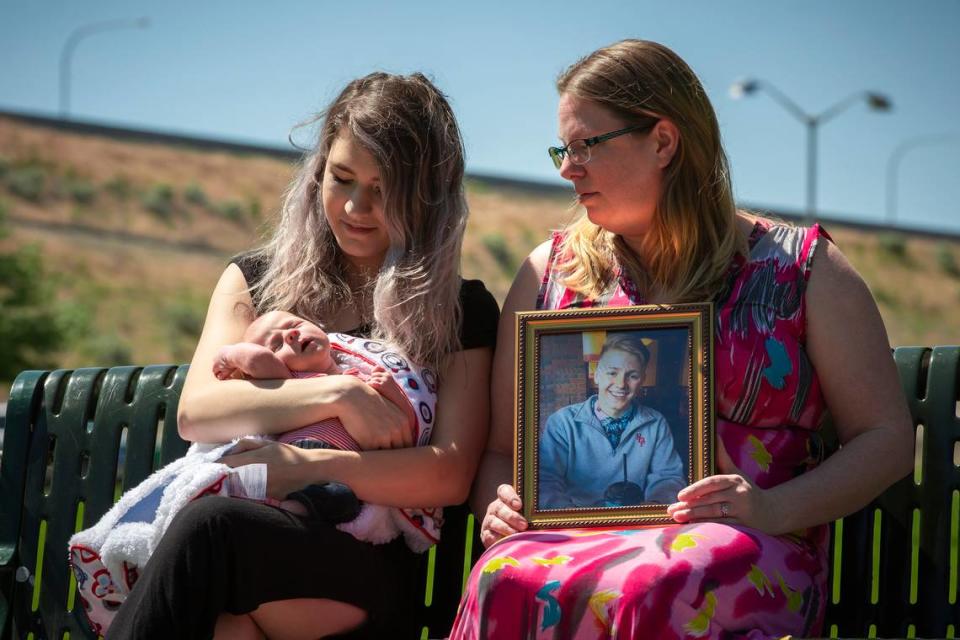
pixel 540 257
pixel 526 284
pixel 745 222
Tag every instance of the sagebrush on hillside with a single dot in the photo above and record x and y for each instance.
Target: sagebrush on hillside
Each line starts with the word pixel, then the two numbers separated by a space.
pixel 134 235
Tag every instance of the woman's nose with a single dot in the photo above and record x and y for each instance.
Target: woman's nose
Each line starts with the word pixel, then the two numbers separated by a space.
pixel 292 335
pixel 357 203
pixel 569 169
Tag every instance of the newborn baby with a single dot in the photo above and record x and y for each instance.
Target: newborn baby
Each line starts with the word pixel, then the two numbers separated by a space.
pixel 280 345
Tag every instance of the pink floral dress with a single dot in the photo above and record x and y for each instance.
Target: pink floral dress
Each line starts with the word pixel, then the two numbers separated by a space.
pixel 705 580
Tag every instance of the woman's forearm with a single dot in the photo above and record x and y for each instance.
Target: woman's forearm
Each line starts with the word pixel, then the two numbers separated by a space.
pixel 495 469
pixel 410 477
pixel 845 482
pixel 223 409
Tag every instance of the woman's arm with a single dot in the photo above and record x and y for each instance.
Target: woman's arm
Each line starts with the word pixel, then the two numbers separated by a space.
pixel 847 345
pixel 496 466
pixel 437 474
pixel 214 410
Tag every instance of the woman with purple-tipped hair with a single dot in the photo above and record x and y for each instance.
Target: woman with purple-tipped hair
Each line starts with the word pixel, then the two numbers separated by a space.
pixel 368 244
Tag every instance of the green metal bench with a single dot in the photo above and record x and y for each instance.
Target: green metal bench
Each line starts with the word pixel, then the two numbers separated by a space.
pixel 61 470
pixel 894 563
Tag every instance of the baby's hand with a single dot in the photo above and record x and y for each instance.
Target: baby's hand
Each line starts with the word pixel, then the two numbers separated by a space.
pixel 383 382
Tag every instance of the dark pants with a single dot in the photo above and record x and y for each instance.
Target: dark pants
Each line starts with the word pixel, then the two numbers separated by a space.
pixel 229 554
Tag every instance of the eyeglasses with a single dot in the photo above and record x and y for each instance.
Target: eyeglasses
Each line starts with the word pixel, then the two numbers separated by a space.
pixel 579 150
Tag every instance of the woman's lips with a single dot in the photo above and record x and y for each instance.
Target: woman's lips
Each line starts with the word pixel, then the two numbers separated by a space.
pixel 582 197
pixel 360 230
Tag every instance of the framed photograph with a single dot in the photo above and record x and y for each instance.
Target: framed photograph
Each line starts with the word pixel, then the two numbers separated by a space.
pixel 614 412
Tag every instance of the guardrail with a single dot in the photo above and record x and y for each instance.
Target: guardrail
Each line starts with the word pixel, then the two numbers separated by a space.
pixel 533 187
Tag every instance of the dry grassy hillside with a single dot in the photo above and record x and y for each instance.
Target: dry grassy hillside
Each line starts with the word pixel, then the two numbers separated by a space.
pixel 134 236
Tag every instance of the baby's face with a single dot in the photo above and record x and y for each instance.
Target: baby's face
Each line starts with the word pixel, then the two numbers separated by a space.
pixel 300 344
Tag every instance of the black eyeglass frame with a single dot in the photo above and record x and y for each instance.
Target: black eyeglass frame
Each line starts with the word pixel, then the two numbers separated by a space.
pixel 557 153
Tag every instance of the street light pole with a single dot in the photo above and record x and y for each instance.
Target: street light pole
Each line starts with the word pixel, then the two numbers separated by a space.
pixel 896 158
pixel 811 210
pixel 811 122
pixel 71 43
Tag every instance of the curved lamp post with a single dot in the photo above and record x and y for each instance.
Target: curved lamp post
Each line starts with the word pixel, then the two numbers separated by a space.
pixel 896 158
pixel 875 101
pixel 74 39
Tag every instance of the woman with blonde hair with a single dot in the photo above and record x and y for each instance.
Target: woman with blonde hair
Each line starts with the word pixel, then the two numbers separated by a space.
pixel 796 331
pixel 368 244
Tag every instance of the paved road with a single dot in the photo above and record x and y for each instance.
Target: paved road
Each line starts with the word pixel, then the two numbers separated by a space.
pixel 124 237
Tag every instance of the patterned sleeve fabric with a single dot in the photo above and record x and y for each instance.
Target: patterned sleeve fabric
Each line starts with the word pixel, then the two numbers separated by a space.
pixel 705 580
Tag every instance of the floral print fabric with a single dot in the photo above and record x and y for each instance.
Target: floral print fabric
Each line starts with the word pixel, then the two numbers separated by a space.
pixel 704 580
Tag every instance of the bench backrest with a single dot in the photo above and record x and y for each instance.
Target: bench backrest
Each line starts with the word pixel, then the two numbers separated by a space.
pixel 62 468
pixel 894 563
pixel 62 459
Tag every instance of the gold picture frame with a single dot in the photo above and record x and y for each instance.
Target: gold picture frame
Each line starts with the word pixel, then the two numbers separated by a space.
pixel 652 387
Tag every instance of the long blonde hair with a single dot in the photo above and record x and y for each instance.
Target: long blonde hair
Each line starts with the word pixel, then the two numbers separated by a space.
pixel 409 128
pixel 694 236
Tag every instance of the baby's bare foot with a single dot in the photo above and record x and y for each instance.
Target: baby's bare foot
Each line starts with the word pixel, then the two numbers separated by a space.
pixel 384 383
pixel 222 370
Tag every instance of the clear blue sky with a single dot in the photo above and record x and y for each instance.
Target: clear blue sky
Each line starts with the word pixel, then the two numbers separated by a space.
pixel 249 71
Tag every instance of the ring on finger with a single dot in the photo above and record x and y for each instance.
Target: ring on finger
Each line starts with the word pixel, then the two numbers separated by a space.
pixel 724 510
